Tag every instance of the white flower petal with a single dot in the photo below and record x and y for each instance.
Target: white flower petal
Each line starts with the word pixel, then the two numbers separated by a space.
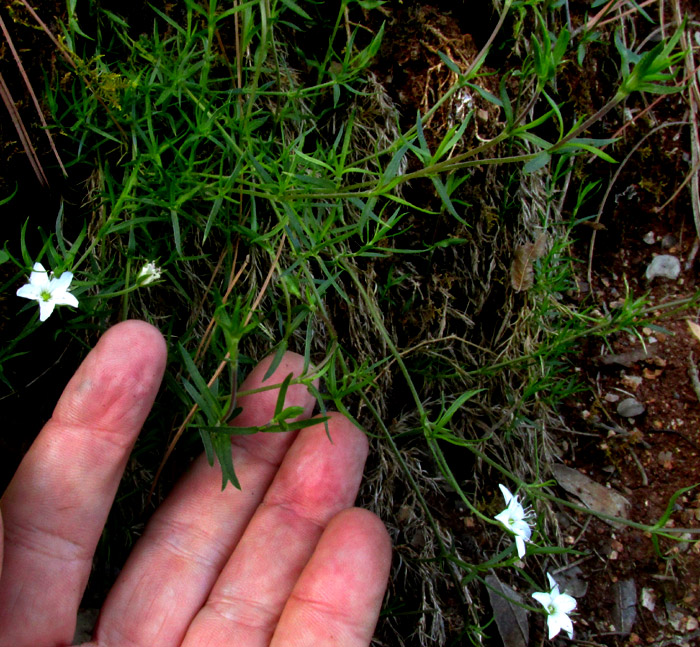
pixel 553 626
pixel 506 493
pixel 564 603
pixel 521 529
pixel 558 605
pixel 45 309
pixel 518 513
pixel 543 598
pixel 61 283
pixel 39 276
pixel 503 517
pixel 29 291
pixel 148 274
pixel 48 292
pixel 65 299
pixel 514 519
pixel 566 624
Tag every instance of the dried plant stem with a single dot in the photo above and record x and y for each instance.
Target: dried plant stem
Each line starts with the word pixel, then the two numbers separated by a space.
pixel 22 132
pixel 233 280
pixel 629 12
pixel 476 63
pixel 693 101
pixel 640 467
pixel 70 59
pixel 61 48
pixel 592 22
pixel 693 173
pixel 612 5
pixel 693 373
pixel 25 78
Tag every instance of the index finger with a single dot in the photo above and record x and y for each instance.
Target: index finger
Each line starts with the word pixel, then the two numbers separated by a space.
pixel 56 505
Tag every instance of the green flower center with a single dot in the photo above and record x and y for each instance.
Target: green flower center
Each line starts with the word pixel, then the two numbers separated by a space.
pixel 45 295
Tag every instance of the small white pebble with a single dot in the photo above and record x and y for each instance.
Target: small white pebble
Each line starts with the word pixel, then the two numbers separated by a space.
pixel 665 266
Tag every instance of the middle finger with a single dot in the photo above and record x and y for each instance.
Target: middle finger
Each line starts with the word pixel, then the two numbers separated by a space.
pixel 174 565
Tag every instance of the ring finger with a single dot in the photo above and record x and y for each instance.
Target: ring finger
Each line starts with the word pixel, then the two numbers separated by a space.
pixel 317 479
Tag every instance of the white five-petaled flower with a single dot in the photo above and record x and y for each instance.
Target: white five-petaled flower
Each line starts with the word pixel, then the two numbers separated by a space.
pixel 516 520
pixel 48 291
pixel 558 607
pixel 149 273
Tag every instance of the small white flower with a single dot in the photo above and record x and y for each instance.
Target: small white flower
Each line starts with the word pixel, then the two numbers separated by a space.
pixel 558 607
pixel 149 273
pixel 49 292
pixel 515 519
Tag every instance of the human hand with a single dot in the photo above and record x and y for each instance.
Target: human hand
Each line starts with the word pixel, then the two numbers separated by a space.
pixel 285 561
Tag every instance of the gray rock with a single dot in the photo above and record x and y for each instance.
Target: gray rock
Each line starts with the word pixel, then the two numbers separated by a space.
pixel 665 266
pixel 630 407
pixel 668 241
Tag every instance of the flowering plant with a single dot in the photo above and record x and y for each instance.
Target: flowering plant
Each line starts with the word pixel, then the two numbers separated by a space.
pixel 149 273
pixel 48 291
pixel 558 606
pixel 515 519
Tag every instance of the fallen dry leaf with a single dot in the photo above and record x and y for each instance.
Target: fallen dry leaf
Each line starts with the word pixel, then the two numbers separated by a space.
pixel 624 612
pixel 632 382
pixel 511 618
pixel 522 273
pixel 694 328
pixel 593 495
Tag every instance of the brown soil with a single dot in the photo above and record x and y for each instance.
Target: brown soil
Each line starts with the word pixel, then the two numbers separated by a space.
pixel 651 456
pixel 648 458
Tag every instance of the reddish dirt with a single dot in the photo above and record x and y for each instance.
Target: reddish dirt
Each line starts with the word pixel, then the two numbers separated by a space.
pixel 647 458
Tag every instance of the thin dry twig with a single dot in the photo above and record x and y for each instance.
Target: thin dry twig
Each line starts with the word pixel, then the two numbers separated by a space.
pixel 629 12
pixel 693 172
pixel 25 78
pixel 219 370
pixel 22 132
pixel 61 48
pixel 592 22
pixel 694 377
pixel 232 281
pixel 591 248
pixel 640 467
pixel 693 102
pixel 612 5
